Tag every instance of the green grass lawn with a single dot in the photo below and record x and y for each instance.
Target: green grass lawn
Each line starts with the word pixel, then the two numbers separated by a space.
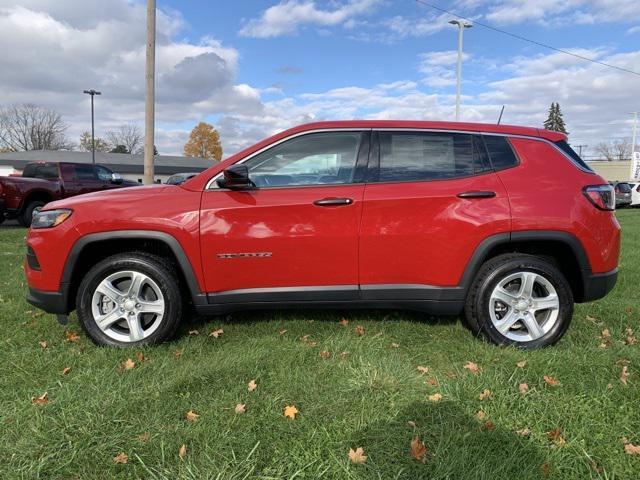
pixel 373 397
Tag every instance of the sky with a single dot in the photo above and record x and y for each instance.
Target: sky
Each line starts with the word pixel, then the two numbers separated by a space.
pixel 255 67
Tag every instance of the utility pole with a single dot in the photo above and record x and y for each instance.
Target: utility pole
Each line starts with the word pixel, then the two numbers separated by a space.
pixel 149 105
pixel 633 145
pixel 580 147
pixel 461 27
pixel 92 92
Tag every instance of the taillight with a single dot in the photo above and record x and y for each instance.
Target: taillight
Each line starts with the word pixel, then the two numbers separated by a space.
pixel 601 196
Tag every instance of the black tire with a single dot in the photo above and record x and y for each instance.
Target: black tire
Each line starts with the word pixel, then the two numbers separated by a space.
pixel 493 271
pixel 156 268
pixel 27 213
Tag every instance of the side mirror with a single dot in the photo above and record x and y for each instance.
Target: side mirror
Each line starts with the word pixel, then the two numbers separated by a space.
pixel 116 178
pixel 236 177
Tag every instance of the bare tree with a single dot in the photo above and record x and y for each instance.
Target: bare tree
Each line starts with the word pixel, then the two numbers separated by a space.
pixel 605 151
pixel 31 127
pixel 128 136
pixel 622 148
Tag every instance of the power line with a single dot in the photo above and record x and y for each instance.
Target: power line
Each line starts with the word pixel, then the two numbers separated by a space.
pixel 524 39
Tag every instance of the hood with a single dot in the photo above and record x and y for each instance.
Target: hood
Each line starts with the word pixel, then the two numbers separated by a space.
pixel 120 194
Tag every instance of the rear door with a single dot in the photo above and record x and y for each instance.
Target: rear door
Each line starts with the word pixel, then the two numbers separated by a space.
pixel 430 199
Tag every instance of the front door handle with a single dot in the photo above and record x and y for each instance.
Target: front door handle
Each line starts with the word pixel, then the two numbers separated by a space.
pixel 333 202
pixel 477 194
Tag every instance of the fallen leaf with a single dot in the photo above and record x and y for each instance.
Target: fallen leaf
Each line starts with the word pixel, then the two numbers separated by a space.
pixel 631 449
pixel 624 375
pixel 182 451
pixel 344 322
pixel 472 367
pixel 128 364
pixel 191 416
pixel 305 339
pixel 241 408
pixel 521 364
pixel 523 388
pixel 605 333
pixel 121 458
pixel 283 331
pixel 395 345
pixel 418 449
pixel 524 432
pixel 480 415
pixel 216 333
pixel 436 397
pixel 423 370
pixel 610 386
pixel 488 425
pixel 605 336
pixel 290 411
pixel 65 370
pixel 194 332
pixel 359 330
pixel 71 336
pixel 556 437
pixel 545 469
pixel 486 393
pixel 431 381
pixel 591 319
pixel 143 437
pixel 41 400
pixel 141 358
pixel 411 423
pixel 630 340
pixel 43 344
pixel 325 354
pixel 252 385
pixel 357 455
pixel 344 355
pixel 551 381
pixel 178 353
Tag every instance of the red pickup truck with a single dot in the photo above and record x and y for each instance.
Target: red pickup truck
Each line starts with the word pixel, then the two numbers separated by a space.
pixel 43 182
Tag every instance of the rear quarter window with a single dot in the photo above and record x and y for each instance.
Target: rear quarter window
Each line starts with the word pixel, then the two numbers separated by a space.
pixel 575 158
pixel 500 152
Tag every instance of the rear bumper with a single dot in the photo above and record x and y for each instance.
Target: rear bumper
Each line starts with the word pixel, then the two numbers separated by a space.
pixel 597 285
pixel 51 302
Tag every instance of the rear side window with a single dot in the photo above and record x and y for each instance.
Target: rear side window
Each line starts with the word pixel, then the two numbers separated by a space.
pixel 418 156
pixel 500 152
pixel 566 148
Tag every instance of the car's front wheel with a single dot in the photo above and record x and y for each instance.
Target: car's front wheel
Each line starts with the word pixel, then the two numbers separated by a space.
pixel 129 299
pixel 520 300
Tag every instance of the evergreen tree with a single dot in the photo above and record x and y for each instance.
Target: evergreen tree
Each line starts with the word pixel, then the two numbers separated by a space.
pixel 554 121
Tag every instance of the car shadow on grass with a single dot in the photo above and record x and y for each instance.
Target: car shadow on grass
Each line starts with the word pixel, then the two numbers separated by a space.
pixel 459 446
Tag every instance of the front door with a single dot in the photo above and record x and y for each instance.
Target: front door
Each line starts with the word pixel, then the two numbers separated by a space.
pixel 295 236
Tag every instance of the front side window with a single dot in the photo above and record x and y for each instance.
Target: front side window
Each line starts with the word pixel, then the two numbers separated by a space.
pixel 418 156
pixel 104 174
pixel 324 158
pixel 85 172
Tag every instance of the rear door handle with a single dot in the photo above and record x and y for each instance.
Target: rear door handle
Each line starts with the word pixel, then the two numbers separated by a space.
pixel 333 202
pixel 477 194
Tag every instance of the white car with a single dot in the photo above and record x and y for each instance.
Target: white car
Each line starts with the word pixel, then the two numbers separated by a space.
pixel 635 194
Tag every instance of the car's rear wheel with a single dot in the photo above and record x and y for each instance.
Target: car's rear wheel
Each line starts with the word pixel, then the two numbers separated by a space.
pixel 129 299
pixel 520 300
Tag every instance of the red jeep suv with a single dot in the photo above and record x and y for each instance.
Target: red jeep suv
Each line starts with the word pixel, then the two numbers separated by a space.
pixel 505 225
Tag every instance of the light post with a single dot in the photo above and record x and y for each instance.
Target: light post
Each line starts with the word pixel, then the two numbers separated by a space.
pixel 461 26
pixel 92 92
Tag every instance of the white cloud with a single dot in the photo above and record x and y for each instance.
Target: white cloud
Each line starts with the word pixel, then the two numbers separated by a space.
pixel 438 67
pixel 289 15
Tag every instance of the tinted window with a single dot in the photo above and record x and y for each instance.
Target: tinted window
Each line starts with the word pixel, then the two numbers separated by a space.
pixel 84 172
pixel 623 188
pixel 566 148
pixel 313 159
pixel 415 156
pixel 47 171
pixel 500 152
pixel 104 174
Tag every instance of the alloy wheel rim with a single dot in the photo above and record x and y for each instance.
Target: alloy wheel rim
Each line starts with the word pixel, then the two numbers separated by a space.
pixel 128 306
pixel 524 306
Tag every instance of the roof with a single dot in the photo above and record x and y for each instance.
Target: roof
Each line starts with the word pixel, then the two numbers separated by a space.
pixel 119 162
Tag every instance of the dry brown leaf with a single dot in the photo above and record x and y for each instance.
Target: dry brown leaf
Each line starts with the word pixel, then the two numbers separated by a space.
pixel 523 388
pixel 71 336
pixel 216 333
pixel 65 370
pixel 486 393
pixel 359 330
pixel 325 354
pixel 283 331
pixel 395 345
pixel 344 322
pixel 143 437
pixel 43 344
pixel 241 408
pixel 141 358
pixel 357 455
pixel 344 355
pixel 551 381
pixel 121 458
pixel 605 333
pixel 524 432
pixel 472 367
pixel 128 364
pixel 431 381
pixel 545 469
pixel 488 425
pixel 556 437
pixel 630 340
pixel 290 411
pixel 521 364
pixel 178 353
pixel 480 415
pixel 411 423
pixel 624 375
pixel 305 339
pixel 252 385
pixel 436 397
pixel 423 370
pixel 631 449
pixel 193 333
pixel 41 400
pixel 191 416
pixel 591 319
pixel 182 451
pixel 418 449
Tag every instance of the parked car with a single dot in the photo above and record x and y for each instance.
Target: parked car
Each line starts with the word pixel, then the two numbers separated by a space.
pixel 180 178
pixel 635 194
pixel 623 194
pixel 43 182
pixel 506 225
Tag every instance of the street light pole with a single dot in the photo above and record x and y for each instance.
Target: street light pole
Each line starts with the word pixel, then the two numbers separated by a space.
pixel 149 100
pixel 633 145
pixel 92 92
pixel 461 27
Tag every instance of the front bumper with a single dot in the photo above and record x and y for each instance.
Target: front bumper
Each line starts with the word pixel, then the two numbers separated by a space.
pixel 51 302
pixel 597 285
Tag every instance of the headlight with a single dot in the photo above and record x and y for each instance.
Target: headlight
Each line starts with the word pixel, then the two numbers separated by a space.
pixel 49 218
